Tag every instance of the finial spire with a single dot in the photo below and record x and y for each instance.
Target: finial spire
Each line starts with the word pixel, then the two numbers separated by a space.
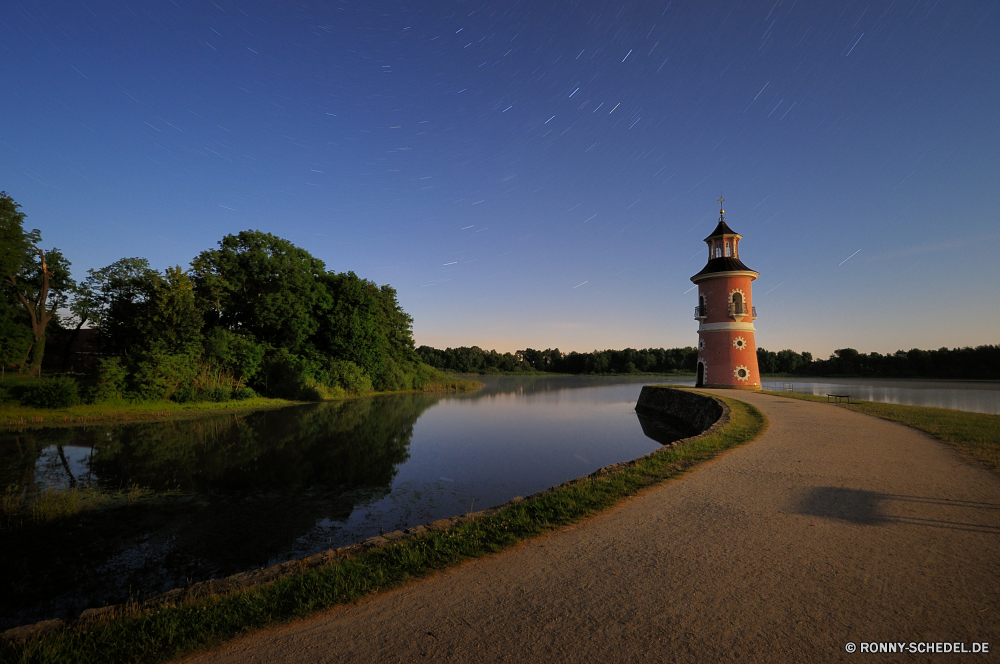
pixel 721 199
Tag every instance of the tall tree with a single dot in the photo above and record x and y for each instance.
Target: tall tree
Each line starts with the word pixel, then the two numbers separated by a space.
pixel 259 284
pixel 39 280
pixel 366 326
pixel 119 298
pixel 174 319
pixel 15 336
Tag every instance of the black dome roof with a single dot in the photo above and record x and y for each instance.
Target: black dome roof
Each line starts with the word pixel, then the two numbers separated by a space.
pixel 722 229
pixel 723 265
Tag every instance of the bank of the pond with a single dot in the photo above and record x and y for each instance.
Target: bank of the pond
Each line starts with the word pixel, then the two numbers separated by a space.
pixel 184 621
pixel 14 417
pixel 976 435
pixel 50 505
pixel 17 417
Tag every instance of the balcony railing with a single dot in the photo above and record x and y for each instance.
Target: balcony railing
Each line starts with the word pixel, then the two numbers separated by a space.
pixel 701 311
pixel 740 309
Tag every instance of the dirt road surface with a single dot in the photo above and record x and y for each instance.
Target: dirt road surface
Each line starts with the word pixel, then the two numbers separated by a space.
pixel 832 527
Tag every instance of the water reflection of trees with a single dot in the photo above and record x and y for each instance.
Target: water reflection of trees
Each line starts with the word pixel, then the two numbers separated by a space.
pixel 20 452
pixel 541 384
pixel 249 485
pixel 348 443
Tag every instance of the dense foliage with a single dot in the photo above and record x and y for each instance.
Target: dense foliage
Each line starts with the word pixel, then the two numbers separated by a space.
pixel 34 284
pixel 254 315
pixel 259 315
pixel 979 363
pixel 630 360
pixel 982 362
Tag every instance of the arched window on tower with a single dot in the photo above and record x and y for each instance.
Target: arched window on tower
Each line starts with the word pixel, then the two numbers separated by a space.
pixel 718 251
pixel 729 250
pixel 737 307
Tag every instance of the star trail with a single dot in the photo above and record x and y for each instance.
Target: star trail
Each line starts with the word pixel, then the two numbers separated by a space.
pixel 509 153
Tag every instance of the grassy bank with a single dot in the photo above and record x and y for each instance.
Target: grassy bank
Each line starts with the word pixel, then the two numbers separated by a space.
pixel 534 374
pixel 13 415
pixel 976 435
pixel 54 504
pixel 175 630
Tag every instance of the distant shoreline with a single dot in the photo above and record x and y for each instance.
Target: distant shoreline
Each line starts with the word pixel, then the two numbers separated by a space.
pixel 26 417
pixel 763 376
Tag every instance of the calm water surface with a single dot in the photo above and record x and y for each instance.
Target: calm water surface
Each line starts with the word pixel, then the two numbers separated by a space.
pixel 237 492
pixel 973 396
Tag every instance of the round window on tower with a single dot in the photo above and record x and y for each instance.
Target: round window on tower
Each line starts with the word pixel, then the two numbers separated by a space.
pixel 739 343
pixel 742 373
pixel 701 344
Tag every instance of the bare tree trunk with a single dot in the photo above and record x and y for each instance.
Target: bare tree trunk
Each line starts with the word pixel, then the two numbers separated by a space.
pixel 37 353
pixel 37 314
pixel 24 360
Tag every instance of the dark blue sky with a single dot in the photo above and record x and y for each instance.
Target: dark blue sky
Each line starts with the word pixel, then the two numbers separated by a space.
pixel 532 174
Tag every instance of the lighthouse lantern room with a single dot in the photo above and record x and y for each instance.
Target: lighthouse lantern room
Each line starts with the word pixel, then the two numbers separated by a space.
pixel 727 353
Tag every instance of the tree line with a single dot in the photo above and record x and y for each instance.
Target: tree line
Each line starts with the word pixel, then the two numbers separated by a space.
pixel 979 363
pixel 982 362
pixel 254 314
pixel 529 360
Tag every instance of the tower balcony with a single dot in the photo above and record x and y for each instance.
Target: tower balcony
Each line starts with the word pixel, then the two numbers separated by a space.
pixel 700 312
pixel 740 309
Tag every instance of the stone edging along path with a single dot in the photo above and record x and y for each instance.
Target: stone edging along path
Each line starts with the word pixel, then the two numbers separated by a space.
pixel 697 410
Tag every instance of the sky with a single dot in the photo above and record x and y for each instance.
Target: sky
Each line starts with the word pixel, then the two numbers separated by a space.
pixel 534 174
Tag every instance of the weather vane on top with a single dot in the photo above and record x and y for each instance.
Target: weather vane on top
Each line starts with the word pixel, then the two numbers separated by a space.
pixel 720 204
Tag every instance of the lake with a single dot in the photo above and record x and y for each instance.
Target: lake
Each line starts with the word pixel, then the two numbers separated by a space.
pixel 973 396
pixel 238 492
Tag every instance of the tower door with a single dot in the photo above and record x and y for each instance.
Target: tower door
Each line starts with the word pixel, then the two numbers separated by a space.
pixel 701 375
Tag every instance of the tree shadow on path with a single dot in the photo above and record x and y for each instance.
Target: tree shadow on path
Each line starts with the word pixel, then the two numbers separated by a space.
pixel 871 508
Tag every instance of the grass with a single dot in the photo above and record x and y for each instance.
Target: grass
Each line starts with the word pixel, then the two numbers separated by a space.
pixel 976 435
pixel 797 395
pixel 19 511
pixel 16 416
pixel 161 634
pixel 450 384
pixel 13 415
pixel 535 372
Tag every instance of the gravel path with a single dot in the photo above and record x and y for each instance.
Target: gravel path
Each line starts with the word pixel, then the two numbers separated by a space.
pixel 832 527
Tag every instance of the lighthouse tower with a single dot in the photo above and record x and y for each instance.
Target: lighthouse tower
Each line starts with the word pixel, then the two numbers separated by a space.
pixel 727 354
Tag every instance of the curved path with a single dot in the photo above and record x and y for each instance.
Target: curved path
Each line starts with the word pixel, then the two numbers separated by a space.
pixel 831 527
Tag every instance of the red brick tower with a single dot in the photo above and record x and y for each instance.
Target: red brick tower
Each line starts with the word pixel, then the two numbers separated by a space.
pixel 727 354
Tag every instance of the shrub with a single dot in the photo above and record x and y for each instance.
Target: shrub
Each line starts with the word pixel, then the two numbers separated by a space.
pixel 289 376
pixel 161 376
pixel 109 381
pixel 220 393
pixel 240 355
pixel 394 377
pixel 243 393
pixel 60 392
pixel 187 394
pixel 349 377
